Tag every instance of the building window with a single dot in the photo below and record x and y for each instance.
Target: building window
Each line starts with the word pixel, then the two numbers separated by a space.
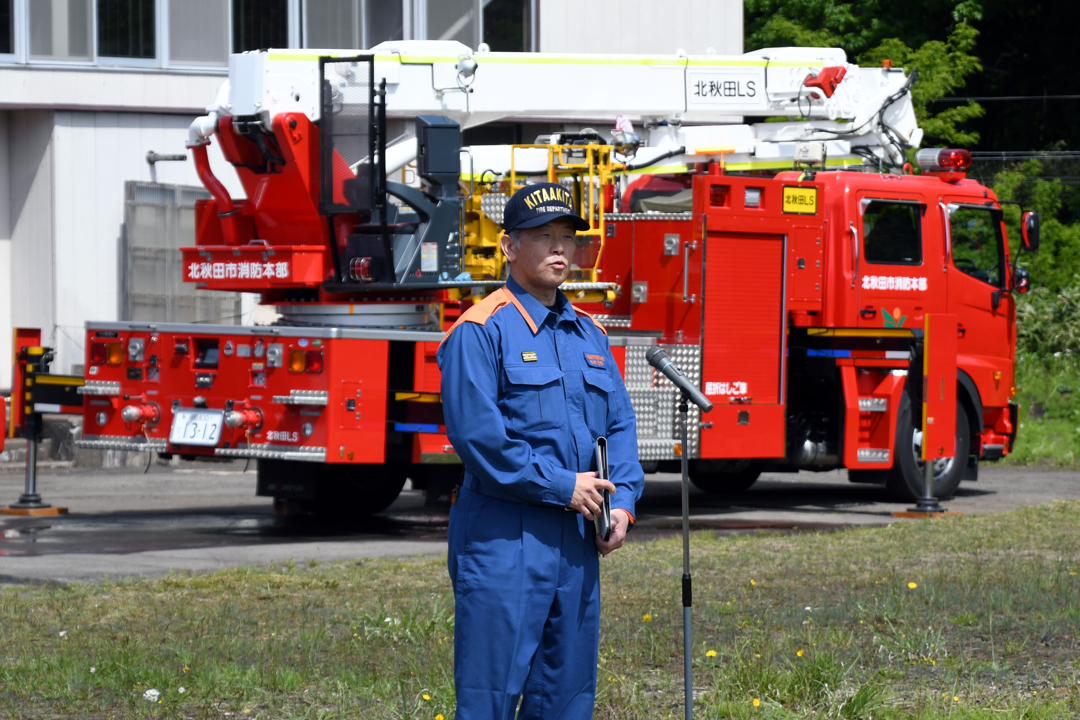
pixel 259 24
pixel 126 29
pixel 351 24
pixel 7 27
pixel 60 29
pixel 452 20
pixel 383 21
pixel 506 24
pixel 199 32
pixel 334 24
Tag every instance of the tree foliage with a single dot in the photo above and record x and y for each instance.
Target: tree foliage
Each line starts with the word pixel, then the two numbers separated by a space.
pixel 1019 47
pixel 1057 263
pixel 866 32
pixel 943 69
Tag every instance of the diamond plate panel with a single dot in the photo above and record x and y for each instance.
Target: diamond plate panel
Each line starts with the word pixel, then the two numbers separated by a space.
pixel 613 321
pixel 494 205
pixel 656 450
pixel 656 401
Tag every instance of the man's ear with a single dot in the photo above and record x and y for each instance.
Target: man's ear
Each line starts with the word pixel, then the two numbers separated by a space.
pixel 507 244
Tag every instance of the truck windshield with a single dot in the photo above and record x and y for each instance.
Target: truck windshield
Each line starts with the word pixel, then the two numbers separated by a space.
pixel 977 247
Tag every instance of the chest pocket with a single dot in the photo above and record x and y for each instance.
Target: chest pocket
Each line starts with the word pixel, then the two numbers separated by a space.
pixel 598 386
pixel 534 397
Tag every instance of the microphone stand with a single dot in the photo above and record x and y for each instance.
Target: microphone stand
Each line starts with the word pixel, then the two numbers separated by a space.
pixel 687 583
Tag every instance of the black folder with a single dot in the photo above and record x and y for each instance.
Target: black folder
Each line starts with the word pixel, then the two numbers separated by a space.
pixel 602 520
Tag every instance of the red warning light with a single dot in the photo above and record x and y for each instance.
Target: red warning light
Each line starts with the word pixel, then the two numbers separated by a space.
pixel 936 160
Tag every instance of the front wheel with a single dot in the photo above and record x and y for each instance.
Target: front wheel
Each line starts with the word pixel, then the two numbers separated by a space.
pixel 723 477
pixel 906 478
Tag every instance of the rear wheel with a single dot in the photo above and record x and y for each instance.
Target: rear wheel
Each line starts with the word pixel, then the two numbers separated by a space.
pixel 906 480
pixel 352 490
pixel 723 477
pixel 331 490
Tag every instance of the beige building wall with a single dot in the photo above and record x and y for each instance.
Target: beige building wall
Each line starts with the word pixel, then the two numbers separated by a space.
pixel 62 176
pixel 641 26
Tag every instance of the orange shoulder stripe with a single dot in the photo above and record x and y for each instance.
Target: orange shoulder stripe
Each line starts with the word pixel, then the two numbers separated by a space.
pixel 481 311
pixel 582 313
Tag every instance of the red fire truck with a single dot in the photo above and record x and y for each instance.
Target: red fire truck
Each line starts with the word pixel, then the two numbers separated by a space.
pixel 786 266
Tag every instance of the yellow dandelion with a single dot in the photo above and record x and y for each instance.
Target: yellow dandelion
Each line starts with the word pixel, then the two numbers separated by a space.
pixel 711 653
pixel 800 653
pixel 912 585
pixel 647 617
pixel 955 698
pixel 757 703
pixel 752 581
pixel 426 696
pixel 439 717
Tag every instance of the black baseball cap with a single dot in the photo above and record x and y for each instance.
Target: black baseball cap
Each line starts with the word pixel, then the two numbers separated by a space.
pixel 534 205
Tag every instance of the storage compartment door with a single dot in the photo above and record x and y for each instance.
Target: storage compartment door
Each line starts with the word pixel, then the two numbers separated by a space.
pixel 744 345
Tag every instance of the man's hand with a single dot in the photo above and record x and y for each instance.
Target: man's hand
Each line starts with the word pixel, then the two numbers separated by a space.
pixel 587 498
pixel 620 523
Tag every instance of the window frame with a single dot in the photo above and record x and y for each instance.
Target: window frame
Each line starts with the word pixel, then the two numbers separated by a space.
pixel 16 36
pixel 413 20
pixel 864 203
pixel 413 17
pixel 998 222
pixel 166 44
pixel 26 56
pixel 161 42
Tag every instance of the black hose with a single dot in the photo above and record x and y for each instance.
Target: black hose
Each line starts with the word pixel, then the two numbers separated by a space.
pixel 658 158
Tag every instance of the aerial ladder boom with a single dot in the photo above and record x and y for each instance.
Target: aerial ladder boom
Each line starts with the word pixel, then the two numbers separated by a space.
pixel 691 106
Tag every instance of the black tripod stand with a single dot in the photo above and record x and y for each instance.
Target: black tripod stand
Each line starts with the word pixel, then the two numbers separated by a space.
pixel 688 393
pixel 687 581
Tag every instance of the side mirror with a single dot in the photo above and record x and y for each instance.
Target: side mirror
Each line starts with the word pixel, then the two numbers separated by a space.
pixel 1021 280
pixel 1029 230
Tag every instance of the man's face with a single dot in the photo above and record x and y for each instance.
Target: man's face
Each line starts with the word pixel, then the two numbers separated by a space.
pixel 542 259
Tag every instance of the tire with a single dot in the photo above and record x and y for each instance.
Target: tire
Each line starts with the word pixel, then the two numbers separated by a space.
pixel 723 477
pixel 358 490
pixel 905 480
pixel 332 490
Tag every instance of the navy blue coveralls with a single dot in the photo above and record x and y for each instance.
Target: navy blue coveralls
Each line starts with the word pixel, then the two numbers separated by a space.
pixel 526 390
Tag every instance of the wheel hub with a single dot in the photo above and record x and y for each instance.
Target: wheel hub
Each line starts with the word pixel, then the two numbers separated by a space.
pixel 941 465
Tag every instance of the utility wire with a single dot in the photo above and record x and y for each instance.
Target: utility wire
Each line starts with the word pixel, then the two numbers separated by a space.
pixel 992 98
pixel 1025 154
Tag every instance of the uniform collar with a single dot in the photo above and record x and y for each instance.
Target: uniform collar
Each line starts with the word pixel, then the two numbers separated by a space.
pixel 539 313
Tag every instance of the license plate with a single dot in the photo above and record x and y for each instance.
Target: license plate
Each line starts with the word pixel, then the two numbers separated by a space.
pixel 196 427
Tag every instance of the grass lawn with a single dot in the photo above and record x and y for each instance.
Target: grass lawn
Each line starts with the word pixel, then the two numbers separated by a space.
pixel 960 618
pixel 1049 398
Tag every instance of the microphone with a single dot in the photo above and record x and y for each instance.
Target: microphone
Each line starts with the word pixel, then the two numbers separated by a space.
pixel 659 360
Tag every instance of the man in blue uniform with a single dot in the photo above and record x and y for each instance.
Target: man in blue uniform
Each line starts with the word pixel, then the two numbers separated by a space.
pixel 528 385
